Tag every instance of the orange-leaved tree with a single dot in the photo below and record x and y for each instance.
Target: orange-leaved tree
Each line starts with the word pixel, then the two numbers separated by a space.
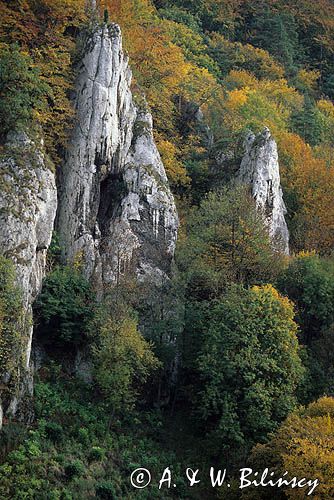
pixel 309 185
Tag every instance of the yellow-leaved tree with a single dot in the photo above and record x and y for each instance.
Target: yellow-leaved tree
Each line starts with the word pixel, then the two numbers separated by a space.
pixel 304 446
pixel 123 359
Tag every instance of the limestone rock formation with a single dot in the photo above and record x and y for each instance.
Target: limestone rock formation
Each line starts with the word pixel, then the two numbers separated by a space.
pixel 28 202
pixel 116 210
pixel 260 169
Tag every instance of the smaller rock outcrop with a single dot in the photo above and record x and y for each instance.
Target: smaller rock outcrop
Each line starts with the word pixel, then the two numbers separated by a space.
pixel 260 170
pixel 28 202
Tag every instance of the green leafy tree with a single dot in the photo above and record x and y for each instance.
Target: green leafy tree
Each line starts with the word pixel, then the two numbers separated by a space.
pixel 192 44
pixel 319 364
pixel 277 32
pixel 214 15
pixel 179 15
pixel 249 367
pixel 309 282
pixel 237 56
pixel 160 304
pixel 22 92
pixel 308 123
pixel 64 308
pixel 227 242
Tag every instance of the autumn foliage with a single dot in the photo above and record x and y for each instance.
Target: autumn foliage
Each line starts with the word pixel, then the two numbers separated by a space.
pixel 45 31
pixel 199 55
pixel 303 446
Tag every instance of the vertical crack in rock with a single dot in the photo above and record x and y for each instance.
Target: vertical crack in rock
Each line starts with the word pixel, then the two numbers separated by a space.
pixel 28 202
pixel 260 170
pixel 115 204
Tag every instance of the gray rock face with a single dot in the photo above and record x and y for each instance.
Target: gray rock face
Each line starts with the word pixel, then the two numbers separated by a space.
pixel 28 202
pixel 116 210
pixel 260 169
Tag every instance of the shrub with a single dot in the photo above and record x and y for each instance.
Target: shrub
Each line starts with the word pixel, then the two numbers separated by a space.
pixel 10 436
pixel 106 490
pixel 83 435
pixel 74 468
pixel 97 453
pixel 54 432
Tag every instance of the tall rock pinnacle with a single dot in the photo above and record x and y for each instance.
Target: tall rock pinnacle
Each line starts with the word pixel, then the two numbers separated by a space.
pixel 116 210
pixel 260 169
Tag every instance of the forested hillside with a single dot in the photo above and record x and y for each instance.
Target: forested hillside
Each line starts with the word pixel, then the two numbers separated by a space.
pixel 212 350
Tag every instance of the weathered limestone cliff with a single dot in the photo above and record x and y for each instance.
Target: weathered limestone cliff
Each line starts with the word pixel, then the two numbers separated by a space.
pixel 28 202
pixel 116 211
pixel 260 169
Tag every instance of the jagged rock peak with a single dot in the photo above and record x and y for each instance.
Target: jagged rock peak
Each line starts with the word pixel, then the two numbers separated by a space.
pixel 260 169
pixel 28 202
pixel 116 209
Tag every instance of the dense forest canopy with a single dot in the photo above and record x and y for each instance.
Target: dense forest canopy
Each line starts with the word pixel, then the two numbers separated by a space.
pixel 252 330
